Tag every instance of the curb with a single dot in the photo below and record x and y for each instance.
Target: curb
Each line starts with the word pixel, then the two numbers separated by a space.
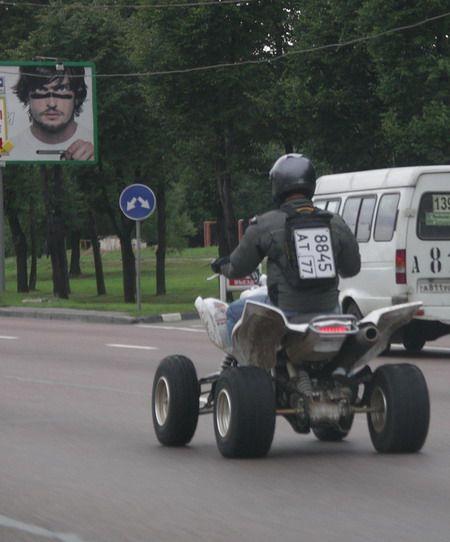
pixel 168 317
pixel 101 317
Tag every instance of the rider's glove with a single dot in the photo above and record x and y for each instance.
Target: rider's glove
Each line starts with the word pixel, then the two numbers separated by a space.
pixel 218 262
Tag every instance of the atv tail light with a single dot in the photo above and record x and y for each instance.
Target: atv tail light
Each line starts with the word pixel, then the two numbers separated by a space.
pixel 340 328
pixel 400 266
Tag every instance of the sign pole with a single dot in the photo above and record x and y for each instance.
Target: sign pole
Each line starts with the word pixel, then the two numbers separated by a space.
pixel 138 265
pixel 137 202
pixel 2 232
pixel 222 288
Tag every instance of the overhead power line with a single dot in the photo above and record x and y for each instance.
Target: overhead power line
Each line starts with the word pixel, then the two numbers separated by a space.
pixel 278 57
pixel 135 6
pixel 313 49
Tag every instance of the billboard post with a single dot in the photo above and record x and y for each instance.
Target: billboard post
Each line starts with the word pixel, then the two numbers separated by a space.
pixel 2 231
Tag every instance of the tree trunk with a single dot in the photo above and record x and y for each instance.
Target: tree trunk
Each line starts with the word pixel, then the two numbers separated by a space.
pixel 99 276
pixel 33 249
pixel 55 232
pixel 222 242
pixel 58 258
pixel 124 232
pixel 75 268
pixel 20 246
pixel 228 224
pixel 288 147
pixel 162 247
pixel 129 267
pixel 229 234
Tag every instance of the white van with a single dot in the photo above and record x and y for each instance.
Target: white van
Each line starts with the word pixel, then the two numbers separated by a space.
pixel 401 219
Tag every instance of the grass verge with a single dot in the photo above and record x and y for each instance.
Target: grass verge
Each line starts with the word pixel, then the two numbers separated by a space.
pixel 186 274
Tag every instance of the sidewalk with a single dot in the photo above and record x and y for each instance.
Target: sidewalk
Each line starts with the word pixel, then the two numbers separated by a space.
pixel 103 317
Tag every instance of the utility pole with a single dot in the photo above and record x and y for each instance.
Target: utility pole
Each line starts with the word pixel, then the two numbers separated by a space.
pixel 2 232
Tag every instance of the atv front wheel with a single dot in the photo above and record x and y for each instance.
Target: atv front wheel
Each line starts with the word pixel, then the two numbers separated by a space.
pixel 244 412
pixel 175 401
pixel 401 409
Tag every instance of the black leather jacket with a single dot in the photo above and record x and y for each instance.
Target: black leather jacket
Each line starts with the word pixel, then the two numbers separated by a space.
pixel 266 237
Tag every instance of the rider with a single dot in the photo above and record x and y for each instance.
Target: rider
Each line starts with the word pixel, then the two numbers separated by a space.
pixel 293 183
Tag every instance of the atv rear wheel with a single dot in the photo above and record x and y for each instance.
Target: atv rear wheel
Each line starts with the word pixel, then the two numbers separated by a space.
pixel 399 395
pixel 244 412
pixel 175 401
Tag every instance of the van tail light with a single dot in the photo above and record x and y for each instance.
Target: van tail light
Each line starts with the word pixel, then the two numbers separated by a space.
pixel 400 266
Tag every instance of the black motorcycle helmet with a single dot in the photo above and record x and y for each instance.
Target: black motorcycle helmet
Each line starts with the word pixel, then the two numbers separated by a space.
pixel 292 173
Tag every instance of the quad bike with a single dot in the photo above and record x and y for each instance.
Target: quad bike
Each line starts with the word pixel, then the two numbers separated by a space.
pixel 314 374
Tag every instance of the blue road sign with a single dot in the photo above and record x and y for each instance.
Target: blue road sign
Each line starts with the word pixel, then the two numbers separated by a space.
pixel 137 201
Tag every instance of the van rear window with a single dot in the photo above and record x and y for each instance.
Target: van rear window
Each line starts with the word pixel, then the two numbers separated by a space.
pixel 365 219
pixel 433 220
pixel 331 205
pixel 386 217
pixel 358 213
pixel 350 213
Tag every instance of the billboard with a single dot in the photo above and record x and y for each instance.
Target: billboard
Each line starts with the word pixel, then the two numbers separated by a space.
pixel 48 112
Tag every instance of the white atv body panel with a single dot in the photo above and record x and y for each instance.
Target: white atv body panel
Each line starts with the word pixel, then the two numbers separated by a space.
pixel 264 329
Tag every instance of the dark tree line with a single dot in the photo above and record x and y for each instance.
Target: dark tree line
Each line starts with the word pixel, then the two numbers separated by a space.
pixel 329 79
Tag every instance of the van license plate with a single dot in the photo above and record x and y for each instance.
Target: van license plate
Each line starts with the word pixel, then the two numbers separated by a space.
pixel 433 286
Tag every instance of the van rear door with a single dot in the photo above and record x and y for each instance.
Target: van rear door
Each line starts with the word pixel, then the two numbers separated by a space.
pixel 428 246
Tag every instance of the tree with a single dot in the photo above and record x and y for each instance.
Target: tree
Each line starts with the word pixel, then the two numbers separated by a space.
pixel 331 90
pixel 73 31
pixel 20 189
pixel 212 109
pixel 412 69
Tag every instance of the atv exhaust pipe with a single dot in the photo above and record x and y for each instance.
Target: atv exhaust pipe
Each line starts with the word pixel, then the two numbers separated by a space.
pixel 356 346
pixel 367 334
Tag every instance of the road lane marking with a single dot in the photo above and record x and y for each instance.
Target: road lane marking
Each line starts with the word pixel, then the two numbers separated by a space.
pixel 172 328
pixel 70 385
pixel 37 531
pixel 435 349
pixel 7 337
pixel 137 347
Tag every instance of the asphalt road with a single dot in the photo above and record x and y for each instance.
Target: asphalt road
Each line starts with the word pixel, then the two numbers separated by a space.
pixel 79 461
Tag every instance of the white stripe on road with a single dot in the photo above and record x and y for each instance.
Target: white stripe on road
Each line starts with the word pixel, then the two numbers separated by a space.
pixel 172 328
pixel 426 348
pixel 137 347
pixel 435 349
pixel 37 531
pixel 70 385
pixel 7 337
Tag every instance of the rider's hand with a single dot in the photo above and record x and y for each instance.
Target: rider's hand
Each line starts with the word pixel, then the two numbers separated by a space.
pixel 218 262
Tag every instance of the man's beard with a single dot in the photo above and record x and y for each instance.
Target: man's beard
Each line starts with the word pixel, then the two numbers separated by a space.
pixel 50 128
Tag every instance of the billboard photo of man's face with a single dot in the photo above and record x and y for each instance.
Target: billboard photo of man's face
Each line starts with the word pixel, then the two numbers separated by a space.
pixel 58 103
pixel 52 106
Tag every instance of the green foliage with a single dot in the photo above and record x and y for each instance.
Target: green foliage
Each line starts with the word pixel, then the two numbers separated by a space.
pixel 412 69
pixel 210 117
pixel 332 90
pixel 179 223
pixel 180 226
pixel 206 139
